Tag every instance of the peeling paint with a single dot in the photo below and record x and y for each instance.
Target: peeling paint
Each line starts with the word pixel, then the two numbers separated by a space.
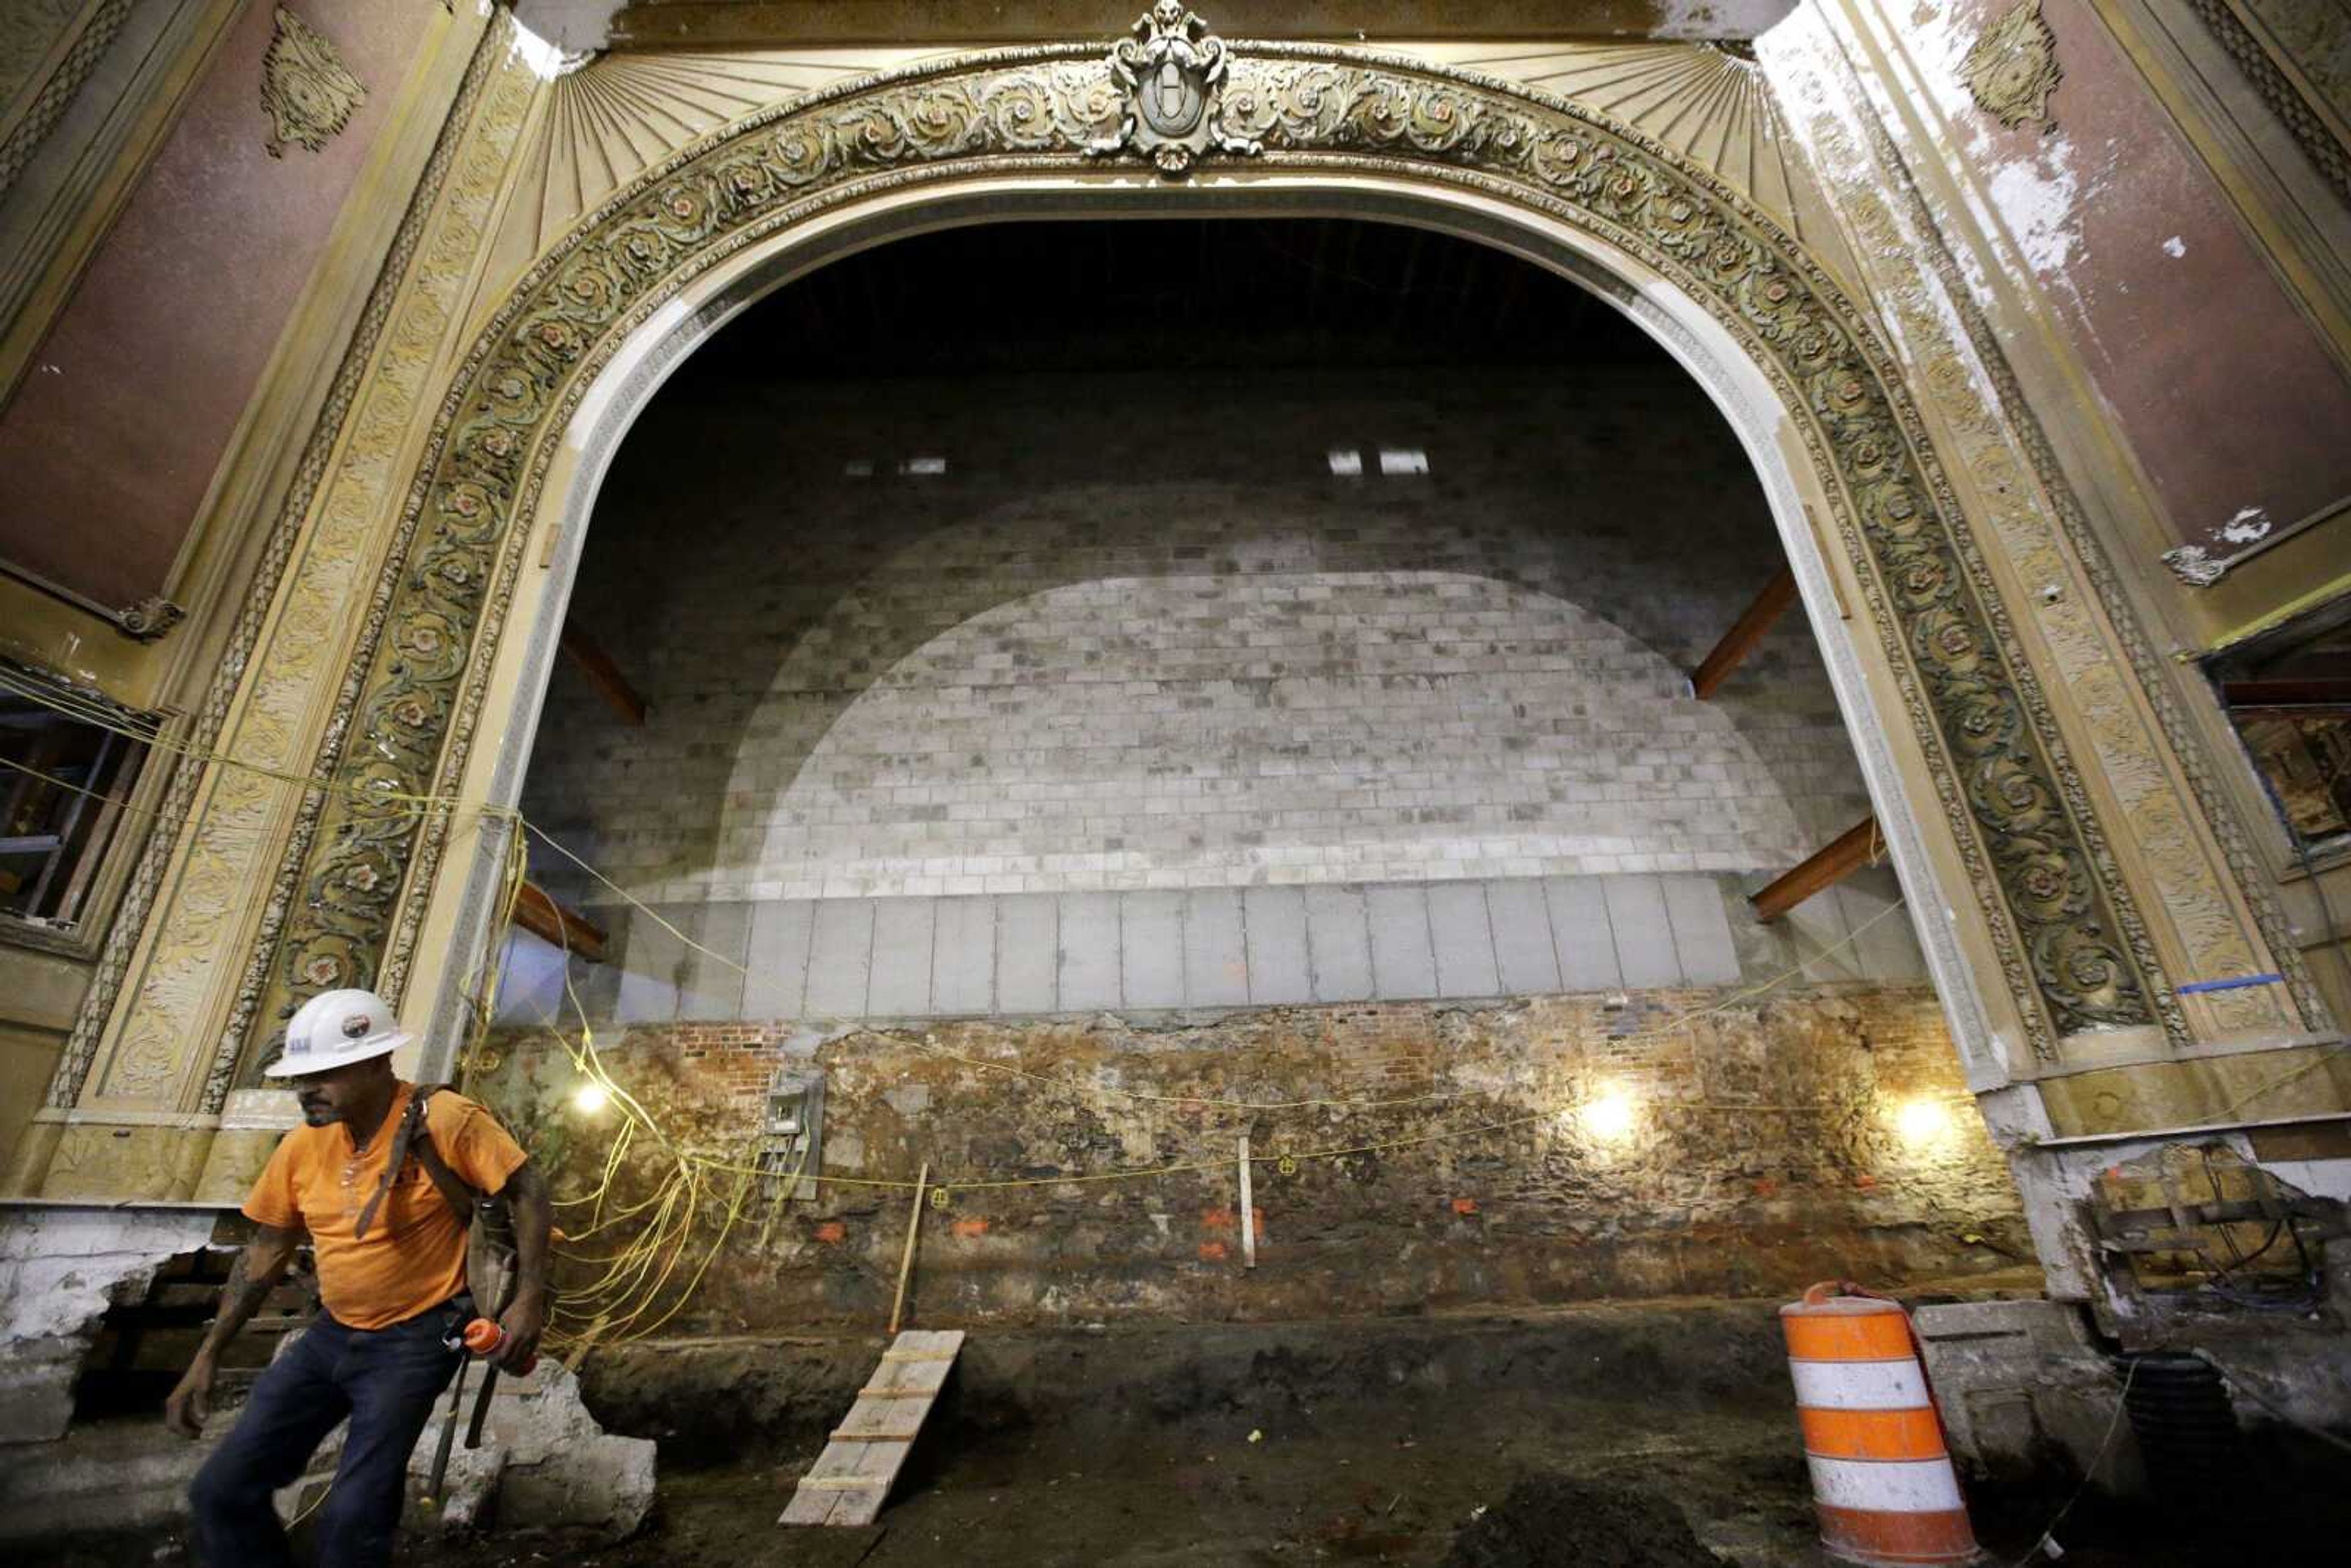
pixel 2040 204
pixel 2247 526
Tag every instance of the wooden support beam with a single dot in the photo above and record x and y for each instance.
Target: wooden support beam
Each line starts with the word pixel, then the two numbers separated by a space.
pixel 1744 634
pixel 2288 691
pixel 1857 847
pixel 551 922
pixel 602 674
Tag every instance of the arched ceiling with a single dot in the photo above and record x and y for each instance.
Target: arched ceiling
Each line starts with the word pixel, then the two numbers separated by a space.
pixel 1173 294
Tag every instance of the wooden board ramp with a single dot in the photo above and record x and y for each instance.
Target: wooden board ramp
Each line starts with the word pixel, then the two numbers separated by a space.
pixel 852 1479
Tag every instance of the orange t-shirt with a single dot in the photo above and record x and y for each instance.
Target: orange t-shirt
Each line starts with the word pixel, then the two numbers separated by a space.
pixel 413 1258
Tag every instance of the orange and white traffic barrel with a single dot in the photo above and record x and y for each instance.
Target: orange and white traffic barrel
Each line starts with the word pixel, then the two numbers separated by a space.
pixel 1882 1479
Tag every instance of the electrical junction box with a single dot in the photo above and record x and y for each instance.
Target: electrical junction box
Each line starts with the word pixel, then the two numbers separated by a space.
pixel 791 1134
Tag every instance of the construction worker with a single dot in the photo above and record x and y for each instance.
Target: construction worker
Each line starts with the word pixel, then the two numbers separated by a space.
pixel 376 1178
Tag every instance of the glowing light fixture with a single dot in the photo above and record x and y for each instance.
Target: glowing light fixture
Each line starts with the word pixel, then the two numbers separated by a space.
pixel 590 1098
pixel 1609 1116
pixel 1922 1121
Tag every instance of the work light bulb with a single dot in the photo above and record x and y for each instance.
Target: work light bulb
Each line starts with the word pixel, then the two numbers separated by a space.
pixel 590 1098
pixel 1921 1120
pixel 1608 1117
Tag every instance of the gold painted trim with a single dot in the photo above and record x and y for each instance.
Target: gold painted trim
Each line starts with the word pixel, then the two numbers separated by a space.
pixel 2105 521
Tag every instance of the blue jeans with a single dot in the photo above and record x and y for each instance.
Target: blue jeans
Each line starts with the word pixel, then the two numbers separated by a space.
pixel 385 1379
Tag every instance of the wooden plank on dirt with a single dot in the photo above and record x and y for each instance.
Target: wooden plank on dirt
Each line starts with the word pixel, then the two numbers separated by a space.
pixel 926 1344
pixel 878 1464
pixel 810 1505
pixel 852 1479
pixel 907 1379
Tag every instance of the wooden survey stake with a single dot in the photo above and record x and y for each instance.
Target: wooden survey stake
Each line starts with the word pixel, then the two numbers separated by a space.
pixel 1248 1211
pixel 906 1263
pixel 850 1479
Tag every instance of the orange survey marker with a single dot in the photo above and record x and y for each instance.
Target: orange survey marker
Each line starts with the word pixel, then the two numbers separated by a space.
pixel 1882 1479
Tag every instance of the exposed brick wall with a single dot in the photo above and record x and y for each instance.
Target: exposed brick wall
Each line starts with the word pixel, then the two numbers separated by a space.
pixel 1761 1151
pixel 1138 635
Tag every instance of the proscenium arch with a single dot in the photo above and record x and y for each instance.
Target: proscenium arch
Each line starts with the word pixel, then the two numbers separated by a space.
pixel 542 399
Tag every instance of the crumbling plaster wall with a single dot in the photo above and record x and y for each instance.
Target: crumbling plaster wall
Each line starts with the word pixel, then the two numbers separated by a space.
pixel 60 1267
pixel 1760 1149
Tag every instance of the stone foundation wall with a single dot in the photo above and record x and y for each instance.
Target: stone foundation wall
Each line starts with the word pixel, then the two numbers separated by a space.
pixel 1551 1149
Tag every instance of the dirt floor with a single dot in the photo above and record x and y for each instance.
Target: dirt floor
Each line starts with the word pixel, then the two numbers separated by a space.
pixel 1649 1436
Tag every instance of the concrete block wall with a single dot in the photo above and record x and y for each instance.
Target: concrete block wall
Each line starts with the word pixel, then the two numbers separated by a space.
pixel 1139 636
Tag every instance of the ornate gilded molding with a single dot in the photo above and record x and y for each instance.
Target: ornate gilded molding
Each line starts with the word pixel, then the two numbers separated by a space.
pixel 2305 115
pixel 1172 71
pixel 2314 43
pixel 306 90
pixel 2014 68
pixel 2053 919
pixel 149 618
pixel 22 132
pixel 1709 102
pixel 30 32
pixel 607 122
pixel 1963 373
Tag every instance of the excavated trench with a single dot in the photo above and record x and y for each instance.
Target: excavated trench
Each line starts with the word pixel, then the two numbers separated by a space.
pixel 1632 1436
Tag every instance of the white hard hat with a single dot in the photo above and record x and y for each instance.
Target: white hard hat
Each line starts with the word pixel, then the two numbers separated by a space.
pixel 335 1028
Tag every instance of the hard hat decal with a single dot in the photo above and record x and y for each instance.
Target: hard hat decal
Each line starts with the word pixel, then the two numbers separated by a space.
pixel 335 1028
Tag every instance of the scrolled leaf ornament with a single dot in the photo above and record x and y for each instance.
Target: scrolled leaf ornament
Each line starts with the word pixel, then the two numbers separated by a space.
pixel 2014 68
pixel 1172 71
pixel 306 90
pixel 149 618
pixel 2060 919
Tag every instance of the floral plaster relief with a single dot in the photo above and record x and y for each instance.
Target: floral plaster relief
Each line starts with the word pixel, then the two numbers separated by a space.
pixel 2013 802
pixel 2012 67
pixel 306 90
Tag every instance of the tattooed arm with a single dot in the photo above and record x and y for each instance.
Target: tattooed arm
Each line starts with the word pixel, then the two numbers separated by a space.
pixel 525 1318
pixel 257 1269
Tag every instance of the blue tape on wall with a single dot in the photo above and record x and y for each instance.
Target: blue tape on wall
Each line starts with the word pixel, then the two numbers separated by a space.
pixel 2195 986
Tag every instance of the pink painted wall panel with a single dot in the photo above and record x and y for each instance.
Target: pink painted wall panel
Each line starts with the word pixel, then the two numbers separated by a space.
pixel 112 437
pixel 2227 395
